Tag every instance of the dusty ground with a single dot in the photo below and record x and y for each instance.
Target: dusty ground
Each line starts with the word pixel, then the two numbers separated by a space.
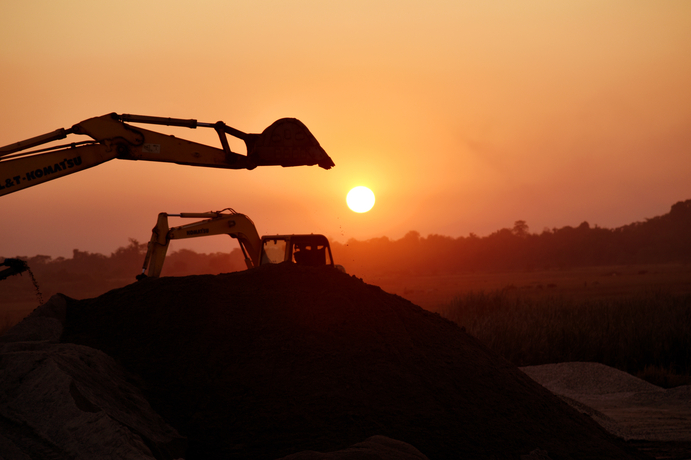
pixel 271 363
pixel 653 419
pixel 285 359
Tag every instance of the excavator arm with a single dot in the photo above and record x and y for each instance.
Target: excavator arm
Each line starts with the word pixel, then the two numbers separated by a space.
pixel 217 223
pixel 287 142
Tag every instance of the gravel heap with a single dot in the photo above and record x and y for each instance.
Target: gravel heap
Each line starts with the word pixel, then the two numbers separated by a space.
pixel 282 359
pixel 653 419
pixel 65 401
pixel 592 379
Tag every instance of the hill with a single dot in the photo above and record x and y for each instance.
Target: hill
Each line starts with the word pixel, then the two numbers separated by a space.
pixel 281 359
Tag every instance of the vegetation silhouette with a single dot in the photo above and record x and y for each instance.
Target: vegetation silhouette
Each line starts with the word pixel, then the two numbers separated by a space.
pixel 658 240
pixel 645 334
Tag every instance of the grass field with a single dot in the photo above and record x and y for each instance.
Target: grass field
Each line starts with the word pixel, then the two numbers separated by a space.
pixel 633 318
pixel 647 334
pixel 436 291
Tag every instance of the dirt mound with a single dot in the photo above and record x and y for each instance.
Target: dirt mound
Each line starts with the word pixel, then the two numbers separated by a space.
pixel 374 448
pixel 66 401
pixel 282 359
pixel 656 420
pixel 587 379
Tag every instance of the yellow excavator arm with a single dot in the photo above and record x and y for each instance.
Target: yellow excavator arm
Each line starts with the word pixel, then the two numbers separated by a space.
pixel 234 224
pixel 287 142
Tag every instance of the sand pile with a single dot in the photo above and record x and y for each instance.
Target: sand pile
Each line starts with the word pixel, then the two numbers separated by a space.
pixel 66 401
pixel 654 419
pixel 282 359
pixel 591 379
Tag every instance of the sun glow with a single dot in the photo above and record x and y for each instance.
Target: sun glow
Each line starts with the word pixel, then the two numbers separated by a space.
pixel 360 199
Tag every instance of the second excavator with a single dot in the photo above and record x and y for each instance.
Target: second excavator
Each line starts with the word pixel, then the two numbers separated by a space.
pixel 304 249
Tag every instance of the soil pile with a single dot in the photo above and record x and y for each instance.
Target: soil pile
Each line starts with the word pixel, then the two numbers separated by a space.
pixel 66 401
pixel 282 359
pixel 657 420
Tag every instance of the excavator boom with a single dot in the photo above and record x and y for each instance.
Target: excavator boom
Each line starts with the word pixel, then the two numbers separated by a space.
pixel 234 224
pixel 287 142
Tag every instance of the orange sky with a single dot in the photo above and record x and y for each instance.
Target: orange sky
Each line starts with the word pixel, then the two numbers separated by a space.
pixel 461 116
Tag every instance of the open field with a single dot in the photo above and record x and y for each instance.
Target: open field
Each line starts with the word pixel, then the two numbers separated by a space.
pixel 633 318
pixel 434 292
pixel 645 334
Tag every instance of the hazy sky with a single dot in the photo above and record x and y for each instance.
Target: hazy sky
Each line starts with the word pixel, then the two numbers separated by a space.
pixel 460 116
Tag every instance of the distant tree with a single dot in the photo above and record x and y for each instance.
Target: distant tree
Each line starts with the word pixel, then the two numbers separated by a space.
pixel 39 260
pixel 127 260
pixel 520 228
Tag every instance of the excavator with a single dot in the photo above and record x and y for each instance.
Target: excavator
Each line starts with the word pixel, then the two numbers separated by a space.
pixel 310 250
pixel 286 142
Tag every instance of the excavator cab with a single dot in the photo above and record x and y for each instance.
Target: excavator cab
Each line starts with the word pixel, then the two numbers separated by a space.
pixel 312 250
pixel 274 250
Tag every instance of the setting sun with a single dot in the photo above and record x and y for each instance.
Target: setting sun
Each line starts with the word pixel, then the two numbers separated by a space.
pixel 360 199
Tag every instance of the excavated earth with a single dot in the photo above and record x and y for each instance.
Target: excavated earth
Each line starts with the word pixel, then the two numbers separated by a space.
pixel 293 361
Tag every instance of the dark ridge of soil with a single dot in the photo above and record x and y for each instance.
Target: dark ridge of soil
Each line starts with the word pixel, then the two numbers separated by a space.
pixel 276 360
pixel 669 450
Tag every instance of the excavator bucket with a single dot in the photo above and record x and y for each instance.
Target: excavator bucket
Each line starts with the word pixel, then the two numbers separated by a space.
pixel 287 142
pixel 16 266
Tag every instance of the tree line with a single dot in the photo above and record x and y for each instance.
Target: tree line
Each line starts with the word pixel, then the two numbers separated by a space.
pixel 658 240
pixel 662 239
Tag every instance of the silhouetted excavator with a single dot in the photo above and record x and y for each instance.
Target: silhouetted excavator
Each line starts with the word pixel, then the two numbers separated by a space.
pixel 287 142
pixel 307 249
